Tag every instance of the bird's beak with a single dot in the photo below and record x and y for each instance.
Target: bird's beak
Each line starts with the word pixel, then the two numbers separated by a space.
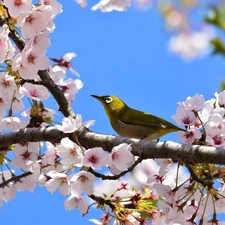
pixel 97 97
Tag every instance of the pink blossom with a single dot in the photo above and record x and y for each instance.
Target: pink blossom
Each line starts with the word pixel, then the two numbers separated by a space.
pixel 70 152
pixel 58 74
pixel 10 122
pixel 82 3
pixel 121 156
pixel 17 105
pixel 147 168
pixel 24 154
pixel 4 104
pixel 58 181
pixel 36 92
pixel 110 5
pixel 7 193
pixel 70 124
pixel 195 103
pixel 76 202
pixel 82 182
pixel 70 87
pixel 7 84
pixel 65 62
pixel 190 136
pixel 16 7
pixel 164 166
pixel 97 222
pixel 191 45
pixel 34 59
pixel 215 130
pixel 95 158
pixel 6 49
pixel 23 72
pixel 50 155
pixel 185 117
pixel 56 6
pixel 41 40
pixel 221 98
pixel 32 23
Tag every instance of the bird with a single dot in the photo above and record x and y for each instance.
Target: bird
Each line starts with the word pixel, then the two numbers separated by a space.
pixel 132 123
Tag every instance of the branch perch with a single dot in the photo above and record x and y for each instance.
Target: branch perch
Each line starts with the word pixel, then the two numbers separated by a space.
pixel 145 149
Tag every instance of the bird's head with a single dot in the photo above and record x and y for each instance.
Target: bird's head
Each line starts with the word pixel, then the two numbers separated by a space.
pixel 113 106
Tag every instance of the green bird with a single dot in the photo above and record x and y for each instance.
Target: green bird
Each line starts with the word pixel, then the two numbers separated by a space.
pixel 132 123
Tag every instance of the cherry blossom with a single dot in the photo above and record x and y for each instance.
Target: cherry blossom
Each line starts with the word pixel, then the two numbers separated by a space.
pixel 190 136
pixel 23 72
pixel 36 92
pixel 70 124
pixel 82 182
pixel 50 155
pixel 4 104
pixel 195 103
pixel 191 45
pixel 58 181
pixel 185 117
pixel 24 154
pixel 16 7
pixel 56 6
pixel 57 73
pixel 34 59
pixel 70 152
pixel 32 23
pixel 70 87
pixel 110 5
pixel 6 49
pixel 7 84
pixel 76 202
pixel 82 3
pixel 220 98
pixel 144 170
pixel 95 158
pixel 41 40
pixel 10 122
pixel 121 156
pixel 65 62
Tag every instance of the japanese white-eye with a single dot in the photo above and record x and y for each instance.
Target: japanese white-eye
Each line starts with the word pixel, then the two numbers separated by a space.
pixel 128 122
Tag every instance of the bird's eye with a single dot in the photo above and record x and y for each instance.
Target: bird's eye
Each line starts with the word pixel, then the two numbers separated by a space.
pixel 108 100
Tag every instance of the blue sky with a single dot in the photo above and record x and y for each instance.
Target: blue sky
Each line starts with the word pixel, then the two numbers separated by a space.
pixel 122 54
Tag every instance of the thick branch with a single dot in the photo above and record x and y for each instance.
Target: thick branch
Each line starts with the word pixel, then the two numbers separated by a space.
pixel 145 149
pixel 31 135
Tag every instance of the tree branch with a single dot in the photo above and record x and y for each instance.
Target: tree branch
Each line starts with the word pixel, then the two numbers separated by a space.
pixel 101 201
pixel 15 178
pixel 145 149
pixel 58 95
pixel 117 176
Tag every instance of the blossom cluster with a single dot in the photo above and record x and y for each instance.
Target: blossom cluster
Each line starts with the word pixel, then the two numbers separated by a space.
pixel 21 77
pixel 204 120
pixel 54 168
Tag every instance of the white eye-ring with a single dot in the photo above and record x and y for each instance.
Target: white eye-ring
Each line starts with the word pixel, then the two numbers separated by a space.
pixel 109 100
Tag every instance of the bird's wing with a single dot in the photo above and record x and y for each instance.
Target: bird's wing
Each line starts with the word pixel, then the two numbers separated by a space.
pixel 141 118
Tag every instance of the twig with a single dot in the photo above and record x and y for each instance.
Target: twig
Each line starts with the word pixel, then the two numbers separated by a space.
pixel 116 177
pixel 101 201
pixel 15 178
pixel 204 182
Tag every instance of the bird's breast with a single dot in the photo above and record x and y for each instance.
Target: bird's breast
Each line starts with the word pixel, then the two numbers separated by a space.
pixel 130 130
pixel 138 131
